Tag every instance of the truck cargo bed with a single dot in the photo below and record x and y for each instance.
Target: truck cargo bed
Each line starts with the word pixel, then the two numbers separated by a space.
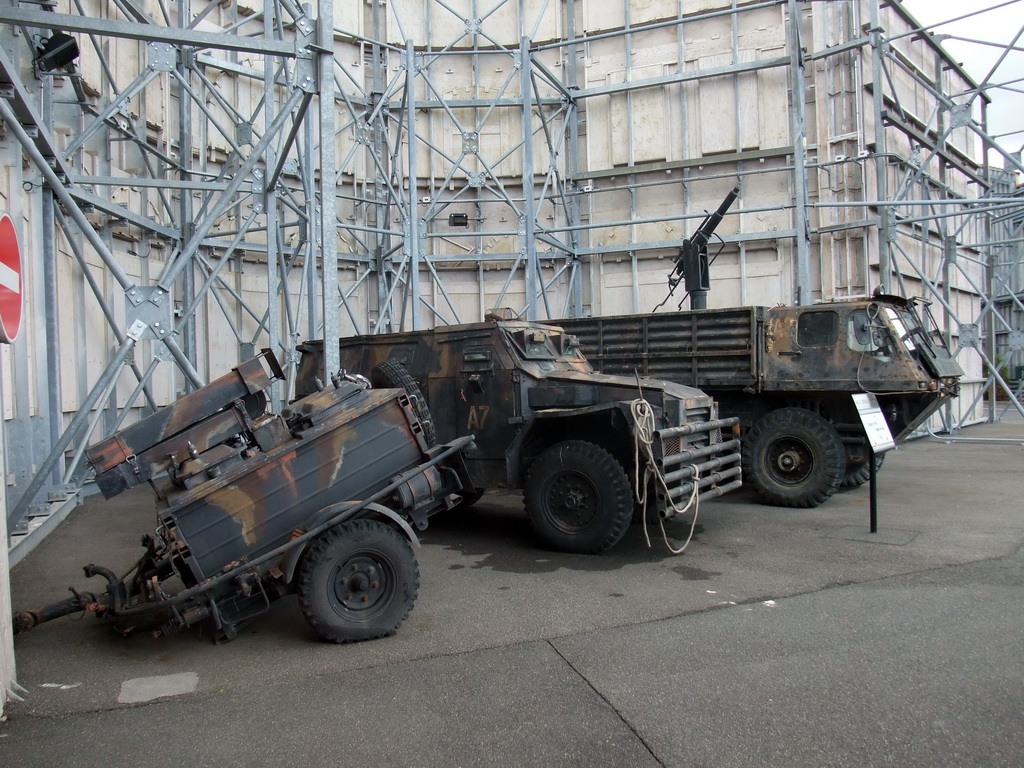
pixel 712 348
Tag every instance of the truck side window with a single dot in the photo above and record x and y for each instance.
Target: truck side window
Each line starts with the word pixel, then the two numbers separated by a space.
pixel 477 359
pixel 869 333
pixel 817 329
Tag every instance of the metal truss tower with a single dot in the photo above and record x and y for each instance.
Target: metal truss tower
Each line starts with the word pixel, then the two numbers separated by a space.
pixel 205 179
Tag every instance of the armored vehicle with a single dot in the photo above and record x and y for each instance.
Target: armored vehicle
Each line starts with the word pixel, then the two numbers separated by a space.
pixel 788 373
pixel 319 500
pixel 588 449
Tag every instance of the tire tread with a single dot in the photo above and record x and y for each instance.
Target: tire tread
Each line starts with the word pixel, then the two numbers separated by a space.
pixel 808 425
pixel 391 374
pixel 608 468
pixel 316 554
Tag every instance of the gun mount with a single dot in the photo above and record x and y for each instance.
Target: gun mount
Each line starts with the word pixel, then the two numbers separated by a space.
pixel 692 265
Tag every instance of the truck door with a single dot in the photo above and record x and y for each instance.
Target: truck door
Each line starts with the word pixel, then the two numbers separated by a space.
pixel 485 401
pixel 806 350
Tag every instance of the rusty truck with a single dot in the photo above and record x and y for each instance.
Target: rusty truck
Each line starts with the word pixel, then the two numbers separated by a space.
pixel 589 450
pixel 319 500
pixel 788 373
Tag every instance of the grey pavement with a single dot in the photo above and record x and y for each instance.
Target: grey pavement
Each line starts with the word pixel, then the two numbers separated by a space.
pixel 780 638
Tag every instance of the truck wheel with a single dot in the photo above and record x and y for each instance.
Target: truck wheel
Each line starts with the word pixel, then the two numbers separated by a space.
pixel 392 375
pixel 858 474
pixel 578 498
pixel 793 458
pixel 358 581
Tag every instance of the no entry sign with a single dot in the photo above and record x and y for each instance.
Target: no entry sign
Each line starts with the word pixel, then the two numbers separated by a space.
pixel 10 281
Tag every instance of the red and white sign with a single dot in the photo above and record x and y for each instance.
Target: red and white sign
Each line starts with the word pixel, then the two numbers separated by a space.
pixel 10 281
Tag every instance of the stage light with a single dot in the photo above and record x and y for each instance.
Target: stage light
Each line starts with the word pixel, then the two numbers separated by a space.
pixel 56 52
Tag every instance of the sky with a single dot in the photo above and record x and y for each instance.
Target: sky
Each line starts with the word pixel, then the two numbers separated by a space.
pixel 978 42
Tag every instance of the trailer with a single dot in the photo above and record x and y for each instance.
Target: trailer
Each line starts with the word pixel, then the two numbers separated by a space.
pixel 320 500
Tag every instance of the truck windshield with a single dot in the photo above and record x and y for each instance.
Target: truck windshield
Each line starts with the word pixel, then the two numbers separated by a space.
pixel 875 329
pixel 538 344
pixel 900 323
pixel 930 330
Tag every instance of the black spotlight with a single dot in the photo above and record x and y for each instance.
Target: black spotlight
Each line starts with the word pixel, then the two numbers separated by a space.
pixel 59 50
pixel 458 219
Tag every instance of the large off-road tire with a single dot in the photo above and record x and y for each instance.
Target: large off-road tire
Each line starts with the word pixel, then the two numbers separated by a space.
pixel 392 375
pixel 793 458
pixel 358 581
pixel 858 474
pixel 578 498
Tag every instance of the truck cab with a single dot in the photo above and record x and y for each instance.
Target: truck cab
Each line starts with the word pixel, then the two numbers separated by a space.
pixel 880 346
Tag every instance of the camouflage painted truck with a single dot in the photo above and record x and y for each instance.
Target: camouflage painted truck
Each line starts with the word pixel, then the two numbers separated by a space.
pixel 588 449
pixel 788 373
pixel 319 501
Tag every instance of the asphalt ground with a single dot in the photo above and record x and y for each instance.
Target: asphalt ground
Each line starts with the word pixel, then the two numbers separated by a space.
pixel 780 638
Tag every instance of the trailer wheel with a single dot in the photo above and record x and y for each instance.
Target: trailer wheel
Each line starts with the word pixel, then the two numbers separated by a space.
pixel 858 474
pixel 358 581
pixel 391 374
pixel 578 498
pixel 793 458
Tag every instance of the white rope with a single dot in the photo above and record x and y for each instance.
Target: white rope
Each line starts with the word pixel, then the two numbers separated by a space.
pixel 644 427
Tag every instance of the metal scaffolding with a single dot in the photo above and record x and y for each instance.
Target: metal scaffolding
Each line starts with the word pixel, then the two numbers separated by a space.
pixel 204 179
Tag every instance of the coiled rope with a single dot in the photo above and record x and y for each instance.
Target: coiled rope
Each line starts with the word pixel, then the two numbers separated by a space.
pixel 644 427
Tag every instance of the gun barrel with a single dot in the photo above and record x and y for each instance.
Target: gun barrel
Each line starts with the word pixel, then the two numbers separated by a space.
pixel 707 228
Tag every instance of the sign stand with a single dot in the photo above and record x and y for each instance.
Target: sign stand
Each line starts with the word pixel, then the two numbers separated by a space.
pixel 873 515
pixel 879 441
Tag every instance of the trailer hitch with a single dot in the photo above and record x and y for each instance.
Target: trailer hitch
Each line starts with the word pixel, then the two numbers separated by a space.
pixel 80 602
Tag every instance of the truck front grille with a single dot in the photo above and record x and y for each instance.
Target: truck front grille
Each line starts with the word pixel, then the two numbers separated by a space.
pixel 696 450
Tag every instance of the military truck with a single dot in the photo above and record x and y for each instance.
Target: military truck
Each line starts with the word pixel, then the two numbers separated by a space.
pixel 589 450
pixel 788 373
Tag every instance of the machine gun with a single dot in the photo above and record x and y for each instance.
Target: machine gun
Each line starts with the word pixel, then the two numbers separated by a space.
pixel 692 261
